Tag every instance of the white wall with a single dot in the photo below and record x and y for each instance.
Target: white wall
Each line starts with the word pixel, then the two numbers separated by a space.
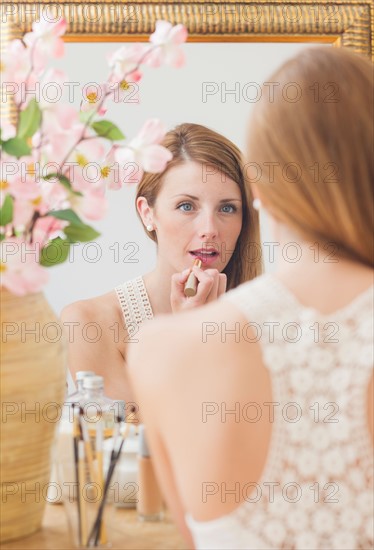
pixel 175 96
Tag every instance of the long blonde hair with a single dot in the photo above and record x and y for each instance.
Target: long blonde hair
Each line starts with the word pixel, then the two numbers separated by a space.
pixel 318 130
pixel 193 142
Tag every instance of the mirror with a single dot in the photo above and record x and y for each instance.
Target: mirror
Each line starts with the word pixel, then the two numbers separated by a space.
pixel 231 50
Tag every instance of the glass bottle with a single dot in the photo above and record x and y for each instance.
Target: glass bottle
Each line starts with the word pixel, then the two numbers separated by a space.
pixel 99 411
pixel 54 493
pixel 79 378
pixel 86 463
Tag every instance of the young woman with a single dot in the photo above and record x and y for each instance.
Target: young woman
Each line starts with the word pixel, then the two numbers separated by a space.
pixel 199 207
pixel 259 406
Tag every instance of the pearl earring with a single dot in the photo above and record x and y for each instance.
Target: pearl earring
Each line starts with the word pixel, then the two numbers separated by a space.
pixel 257 204
pixel 149 227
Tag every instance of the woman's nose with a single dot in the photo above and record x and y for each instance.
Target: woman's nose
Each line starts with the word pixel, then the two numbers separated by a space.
pixel 208 227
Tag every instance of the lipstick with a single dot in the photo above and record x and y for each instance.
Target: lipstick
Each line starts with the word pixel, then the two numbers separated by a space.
pixel 190 288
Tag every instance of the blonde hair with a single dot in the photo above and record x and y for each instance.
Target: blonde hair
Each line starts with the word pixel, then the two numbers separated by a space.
pixel 193 142
pixel 318 129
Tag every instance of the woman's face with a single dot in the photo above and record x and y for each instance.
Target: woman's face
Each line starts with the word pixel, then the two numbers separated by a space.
pixel 197 209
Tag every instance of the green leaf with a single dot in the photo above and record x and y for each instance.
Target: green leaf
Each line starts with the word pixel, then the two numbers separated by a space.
pixel 80 233
pixel 29 120
pixel 6 211
pixel 61 178
pixel 2 237
pixel 55 252
pixel 67 215
pixel 107 129
pixel 64 181
pixel 16 147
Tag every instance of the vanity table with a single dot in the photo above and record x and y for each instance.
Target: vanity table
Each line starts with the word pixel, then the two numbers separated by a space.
pixel 131 534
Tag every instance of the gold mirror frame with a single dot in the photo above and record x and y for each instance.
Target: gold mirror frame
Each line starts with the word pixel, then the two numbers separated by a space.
pixel 344 23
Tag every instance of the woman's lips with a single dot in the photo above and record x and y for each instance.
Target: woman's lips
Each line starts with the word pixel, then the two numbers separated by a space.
pixel 206 259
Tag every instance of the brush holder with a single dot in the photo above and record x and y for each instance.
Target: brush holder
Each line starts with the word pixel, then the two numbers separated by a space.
pixel 86 475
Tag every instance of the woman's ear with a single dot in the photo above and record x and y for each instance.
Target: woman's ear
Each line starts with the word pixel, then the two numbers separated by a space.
pixel 255 192
pixel 145 211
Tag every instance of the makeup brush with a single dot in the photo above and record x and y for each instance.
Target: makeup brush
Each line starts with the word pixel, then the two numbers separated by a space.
pixel 87 445
pixel 76 464
pixel 99 457
pixel 115 455
pixel 82 500
pixel 190 288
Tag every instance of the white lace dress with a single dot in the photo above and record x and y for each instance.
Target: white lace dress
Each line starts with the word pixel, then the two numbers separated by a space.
pixel 134 302
pixel 316 490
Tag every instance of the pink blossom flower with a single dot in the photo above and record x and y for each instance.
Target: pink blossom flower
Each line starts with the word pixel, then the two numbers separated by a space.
pixel 8 130
pixel 17 181
pixel 61 141
pixel 52 76
pixel 86 154
pixel 153 131
pixel 27 168
pixel 59 116
pixel 27 200
pixel 45 35
pixel 123 92
pixel 9 176
pixel 92 205
pixel 19 75
pixel 20 270
pixel 144 150
pixel 47 228
pixel 56 115
pixel 52 196
pixel 93 95
pixel 124 62
pixel 113 174
pixel 25 189
pixel 23 211
pixel 168 39
pixel 34 196
pixel 16 62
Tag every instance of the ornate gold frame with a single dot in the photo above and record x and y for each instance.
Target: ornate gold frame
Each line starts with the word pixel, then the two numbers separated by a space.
pixel 346 23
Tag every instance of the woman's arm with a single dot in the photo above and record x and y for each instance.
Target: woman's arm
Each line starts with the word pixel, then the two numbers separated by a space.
pixel 96 340
pixel 144 386
pixel 168 485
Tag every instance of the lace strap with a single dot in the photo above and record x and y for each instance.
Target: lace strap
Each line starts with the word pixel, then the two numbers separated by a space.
pixel 349 309
pixel 134 302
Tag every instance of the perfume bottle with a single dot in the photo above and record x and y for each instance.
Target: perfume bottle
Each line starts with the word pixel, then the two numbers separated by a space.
pixel 99 411
pixel 149 506
pixel 54 494
pixel 79 378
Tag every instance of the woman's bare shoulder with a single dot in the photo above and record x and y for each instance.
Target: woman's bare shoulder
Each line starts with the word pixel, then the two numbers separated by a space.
pixel 97 339
pixel 96 309
pixel 204 327
pixel 101 316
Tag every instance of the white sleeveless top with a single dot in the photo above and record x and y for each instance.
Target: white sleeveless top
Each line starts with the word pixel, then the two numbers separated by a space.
pixel 134 302
pixel 316 490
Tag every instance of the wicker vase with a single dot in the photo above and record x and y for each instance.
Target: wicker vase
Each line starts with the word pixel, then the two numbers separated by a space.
pixel 32 391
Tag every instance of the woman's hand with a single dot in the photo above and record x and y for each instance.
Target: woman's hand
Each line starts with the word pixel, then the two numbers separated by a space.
pixel 211 284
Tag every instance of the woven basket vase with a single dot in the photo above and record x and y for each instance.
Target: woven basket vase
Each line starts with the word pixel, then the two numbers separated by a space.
pixel 32 379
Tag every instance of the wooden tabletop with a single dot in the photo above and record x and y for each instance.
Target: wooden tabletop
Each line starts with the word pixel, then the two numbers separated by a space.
pixel 129 533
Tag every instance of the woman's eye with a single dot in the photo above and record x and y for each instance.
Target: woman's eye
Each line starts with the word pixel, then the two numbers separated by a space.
pixel 229 208
pixel 188 204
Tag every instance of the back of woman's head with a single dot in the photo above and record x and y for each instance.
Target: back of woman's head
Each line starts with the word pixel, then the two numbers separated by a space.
pixel 310 145
pixel 194 142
